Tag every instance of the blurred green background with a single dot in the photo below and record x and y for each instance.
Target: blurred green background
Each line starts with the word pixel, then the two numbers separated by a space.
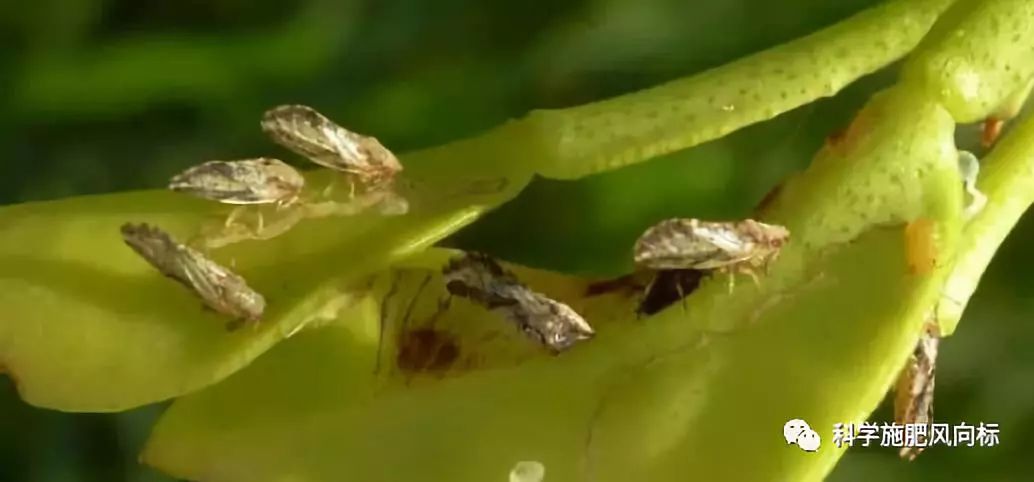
pixel 109 95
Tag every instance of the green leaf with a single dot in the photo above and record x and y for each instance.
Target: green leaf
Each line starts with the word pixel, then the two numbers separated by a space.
pixel 690 390
pixel 680 114
pixel 89 326
pixel 976 57
pixel 1007 179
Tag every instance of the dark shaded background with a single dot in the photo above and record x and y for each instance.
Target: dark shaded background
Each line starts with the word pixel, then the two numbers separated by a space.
pixel 108 95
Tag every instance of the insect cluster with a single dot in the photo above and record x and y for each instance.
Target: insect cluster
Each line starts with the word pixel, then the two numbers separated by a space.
pixel 368 166
pixel 678 253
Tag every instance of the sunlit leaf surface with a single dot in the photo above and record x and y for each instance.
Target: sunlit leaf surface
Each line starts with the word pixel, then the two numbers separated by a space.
pixel 89 326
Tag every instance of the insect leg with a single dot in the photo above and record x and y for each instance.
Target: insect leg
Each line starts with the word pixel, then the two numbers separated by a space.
pixel 327 191
pixel 753 276
pixel 286 203
pixel 644 295
pixel 392 289
pixel 261 224
pixel 233 216
pixel 682 294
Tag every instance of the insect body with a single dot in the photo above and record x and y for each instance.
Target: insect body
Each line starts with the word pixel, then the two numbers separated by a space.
pixel 247 181
pixel 703 245
pixel 913 401
pixel 219 288
pixel 992 129
pixel 480 279
pixel 308 133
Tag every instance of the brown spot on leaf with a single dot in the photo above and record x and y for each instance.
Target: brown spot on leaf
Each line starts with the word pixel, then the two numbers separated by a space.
pixel 427 350
pixel 444 357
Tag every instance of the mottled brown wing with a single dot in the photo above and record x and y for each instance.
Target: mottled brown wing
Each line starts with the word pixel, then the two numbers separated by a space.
pixel 219 288
pixel 222 290
pixel 691 244
pixel 245 181
pixel 914 397
pixel 549 322
pixel 308 133
pixel 154 246
pixel 482 280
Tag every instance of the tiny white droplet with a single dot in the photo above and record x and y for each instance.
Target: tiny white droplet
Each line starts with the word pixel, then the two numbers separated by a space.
pixel 528 471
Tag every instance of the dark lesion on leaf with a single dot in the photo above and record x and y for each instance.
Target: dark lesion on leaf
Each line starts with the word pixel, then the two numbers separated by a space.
pixel 427 348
